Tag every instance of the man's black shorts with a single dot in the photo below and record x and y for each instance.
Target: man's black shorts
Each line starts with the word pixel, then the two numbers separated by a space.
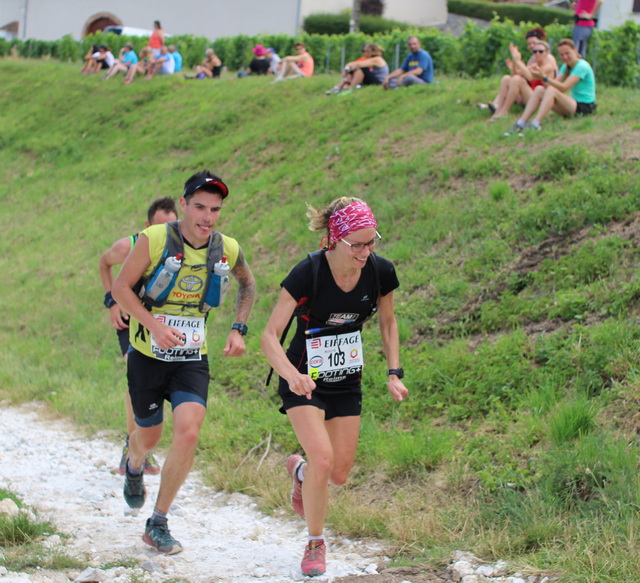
pixel 153 381
pixel 123 340
pixel 340 404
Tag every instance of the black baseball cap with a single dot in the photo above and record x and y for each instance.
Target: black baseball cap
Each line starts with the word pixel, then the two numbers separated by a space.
pixel 214 185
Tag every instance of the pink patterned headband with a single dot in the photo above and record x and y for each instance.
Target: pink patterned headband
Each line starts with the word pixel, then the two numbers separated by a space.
pixel 349 219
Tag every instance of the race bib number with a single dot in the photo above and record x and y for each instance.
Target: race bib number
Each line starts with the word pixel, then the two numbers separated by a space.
pixel 333 358
pixel 191 328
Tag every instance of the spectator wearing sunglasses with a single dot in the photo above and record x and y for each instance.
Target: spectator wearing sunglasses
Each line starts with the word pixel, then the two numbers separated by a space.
pixel 532 37
pixel 521 88
pixel 576 78
pixel 370 69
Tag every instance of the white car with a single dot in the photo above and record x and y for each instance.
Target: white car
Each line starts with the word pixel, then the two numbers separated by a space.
pixel 130 31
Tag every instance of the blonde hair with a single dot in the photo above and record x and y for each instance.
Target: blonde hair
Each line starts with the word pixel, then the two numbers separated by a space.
pixel 209 52
pixel 375 49
pixel 542 43
pixel 319 218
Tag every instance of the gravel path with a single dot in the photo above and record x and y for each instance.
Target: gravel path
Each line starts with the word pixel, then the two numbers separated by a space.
pixel 67 479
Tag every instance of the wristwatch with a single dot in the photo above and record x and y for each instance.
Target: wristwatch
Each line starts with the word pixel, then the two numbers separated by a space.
pixel 240 327
pixel 545 79
pixel 399 372
pixel 108 300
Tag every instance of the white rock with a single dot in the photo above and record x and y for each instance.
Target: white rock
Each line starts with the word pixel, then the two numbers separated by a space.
pixel 52 541
pixel 485 570
pixel 460 569
pixel 371 569
pixel 91 575
pixel 260 572
pixel 473 579
pixel 9 507
pixel 514 580
pixel 3 571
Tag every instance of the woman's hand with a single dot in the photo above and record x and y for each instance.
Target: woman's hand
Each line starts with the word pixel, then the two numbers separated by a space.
pixel 301 384
pixel 536 71
pixel 515 52
pixel 397 389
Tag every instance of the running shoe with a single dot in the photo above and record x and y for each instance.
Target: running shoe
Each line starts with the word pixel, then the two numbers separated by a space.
pixel 123 459
pixel 134 491
pixel 151 465
pixel 314 562
pixel 530 126
pixel 515 130
pixel 335 89
pixel 293 464
pixel 159 537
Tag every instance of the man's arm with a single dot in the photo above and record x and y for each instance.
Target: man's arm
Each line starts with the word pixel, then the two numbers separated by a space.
pixel 244 302
pixel 132 270
pixel 114 256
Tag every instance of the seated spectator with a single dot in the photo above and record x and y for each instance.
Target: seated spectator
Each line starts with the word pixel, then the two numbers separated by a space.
pixel 296 66
pixel 523 83
pixel 90 59
pixel 104 58
pixel 162 65
pixel 177 58
pixel 576 76
pixel 417 68
pixel 532 37
pixel 370 69
pixel 210 68
pixel 259 65
pixel 141 67
pixel 126 59
pixel 274 60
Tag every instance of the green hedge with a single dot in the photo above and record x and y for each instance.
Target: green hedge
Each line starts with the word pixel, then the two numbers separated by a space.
pixel 515 12
pixel 477 52
pixel 339 24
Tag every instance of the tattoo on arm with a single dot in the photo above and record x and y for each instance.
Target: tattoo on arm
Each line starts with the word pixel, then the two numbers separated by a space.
pixel 246 287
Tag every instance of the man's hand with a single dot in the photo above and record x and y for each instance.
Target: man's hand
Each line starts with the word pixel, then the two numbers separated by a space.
pixel 235 344
pixel 117 314
pixel 167 337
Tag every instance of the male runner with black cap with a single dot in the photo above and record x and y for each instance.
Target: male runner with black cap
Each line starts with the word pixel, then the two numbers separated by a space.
pixel 168 359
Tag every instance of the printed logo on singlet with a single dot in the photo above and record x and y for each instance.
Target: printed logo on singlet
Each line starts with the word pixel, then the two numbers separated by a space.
pixel 153 406
pixel 191 283
pixel 365 298
pixel 341 318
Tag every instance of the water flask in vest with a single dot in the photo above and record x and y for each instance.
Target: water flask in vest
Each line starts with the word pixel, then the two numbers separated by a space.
pixel 218 284
pixel 161 283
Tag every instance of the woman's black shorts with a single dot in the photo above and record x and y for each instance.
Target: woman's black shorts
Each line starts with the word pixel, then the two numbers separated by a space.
pixel 334 404
pixel 585 108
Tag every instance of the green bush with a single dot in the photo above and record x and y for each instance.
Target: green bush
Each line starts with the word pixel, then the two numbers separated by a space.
pixel 514 12
pixel 478 52
pixel 339 24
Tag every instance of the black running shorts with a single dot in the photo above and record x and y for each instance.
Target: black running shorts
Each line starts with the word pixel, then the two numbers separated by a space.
pixel 153 381
pixel 342 404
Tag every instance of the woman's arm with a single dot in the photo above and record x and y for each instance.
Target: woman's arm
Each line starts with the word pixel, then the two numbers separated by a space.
pixel 300 384
pixel 391 345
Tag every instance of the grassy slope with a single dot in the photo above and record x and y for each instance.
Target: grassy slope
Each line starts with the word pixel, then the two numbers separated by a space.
pixel 517 310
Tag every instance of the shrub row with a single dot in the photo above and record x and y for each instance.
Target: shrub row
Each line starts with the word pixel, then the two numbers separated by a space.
pixel 339 24
pixel 477 52
pixel 515 12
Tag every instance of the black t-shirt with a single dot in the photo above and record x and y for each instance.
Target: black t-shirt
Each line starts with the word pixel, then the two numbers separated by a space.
pixel 332 306
pixel 259 66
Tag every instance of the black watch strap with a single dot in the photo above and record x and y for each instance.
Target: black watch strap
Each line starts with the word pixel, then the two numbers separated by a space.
pixel 108 300
pixel 240 327
pixel 399 372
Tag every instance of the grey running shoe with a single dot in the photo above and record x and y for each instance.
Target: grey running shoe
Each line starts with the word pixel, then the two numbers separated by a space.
pixel 515 130
pixel 151 465
pixel 123 459
pixel 530 126
pixel 159 537
pixel 134 490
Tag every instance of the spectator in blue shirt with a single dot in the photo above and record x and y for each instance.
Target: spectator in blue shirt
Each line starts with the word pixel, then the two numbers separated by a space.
pixel 177 58
pixel 126 59
pixel 417 68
